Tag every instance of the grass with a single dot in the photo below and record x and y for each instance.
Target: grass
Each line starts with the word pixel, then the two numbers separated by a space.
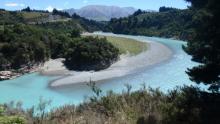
pixel 36 16
pixel 1 28
pixel 61 20
pixel 33 15
pixel 127 45
pixel 12 120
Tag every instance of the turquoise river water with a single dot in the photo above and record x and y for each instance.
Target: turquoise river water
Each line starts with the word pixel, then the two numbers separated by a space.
pixel 166 76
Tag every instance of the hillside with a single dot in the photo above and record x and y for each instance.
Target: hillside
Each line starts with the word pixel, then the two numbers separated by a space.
pixel 168 22
pixel 56 19
pixel 29 38
pixel 102 13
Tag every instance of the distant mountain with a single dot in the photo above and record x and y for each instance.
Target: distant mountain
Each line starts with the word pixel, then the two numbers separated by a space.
pixel 102 13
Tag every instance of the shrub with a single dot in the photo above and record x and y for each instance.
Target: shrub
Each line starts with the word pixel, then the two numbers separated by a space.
pixel 91 53
pixel 12 120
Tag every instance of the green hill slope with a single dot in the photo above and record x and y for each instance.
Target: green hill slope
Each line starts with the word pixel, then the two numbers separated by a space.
pixel 168 22
pixel 55 20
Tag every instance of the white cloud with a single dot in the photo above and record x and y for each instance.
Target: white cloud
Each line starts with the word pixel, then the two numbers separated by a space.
pixel 59 9
pixel 14 4
pixel 85 1
pixel 50 8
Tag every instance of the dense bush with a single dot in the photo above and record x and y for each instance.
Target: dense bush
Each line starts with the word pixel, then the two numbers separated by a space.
pixel 9 17
pixel 25 45
pixel 169 22
pixel 21 45
pixel 90 54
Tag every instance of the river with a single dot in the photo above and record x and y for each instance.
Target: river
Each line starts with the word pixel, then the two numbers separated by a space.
pixel 167 75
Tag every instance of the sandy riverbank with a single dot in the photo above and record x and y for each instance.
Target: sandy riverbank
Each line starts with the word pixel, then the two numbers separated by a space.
pixel 155 54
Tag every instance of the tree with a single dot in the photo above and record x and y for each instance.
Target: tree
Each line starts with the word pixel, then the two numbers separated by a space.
pixel 205 46
pixel 22 45
pixel 89 53
pixel 169 23
pixel 61 13
pixel 138 12
pixel 75 33
pixel 28 9
pixel 55 11
pixel 165 9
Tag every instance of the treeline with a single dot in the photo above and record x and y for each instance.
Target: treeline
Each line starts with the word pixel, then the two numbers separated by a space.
pixel 168 22
pixel 28 9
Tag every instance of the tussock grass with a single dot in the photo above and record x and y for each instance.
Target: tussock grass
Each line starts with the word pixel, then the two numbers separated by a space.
pixel 33 15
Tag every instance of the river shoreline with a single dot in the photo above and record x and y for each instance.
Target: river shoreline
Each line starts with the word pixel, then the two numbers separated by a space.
pixel 165 75
pixel 126 65
pixel 12 74
pixel 155 54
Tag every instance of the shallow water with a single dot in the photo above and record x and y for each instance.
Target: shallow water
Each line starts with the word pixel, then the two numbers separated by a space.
pixel 166 76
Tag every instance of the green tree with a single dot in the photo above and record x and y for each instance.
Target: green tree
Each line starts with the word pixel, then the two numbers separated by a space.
pixel 138 12
pixel 75 33
pixel 205 46
pixel 90 54
pixel 28 9
pixel 168 22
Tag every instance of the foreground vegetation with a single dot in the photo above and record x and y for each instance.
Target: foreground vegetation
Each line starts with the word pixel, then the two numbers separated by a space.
pixel 205 46
pixel 187 105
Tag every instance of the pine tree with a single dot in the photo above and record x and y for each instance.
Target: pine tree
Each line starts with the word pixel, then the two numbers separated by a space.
pixel 205 46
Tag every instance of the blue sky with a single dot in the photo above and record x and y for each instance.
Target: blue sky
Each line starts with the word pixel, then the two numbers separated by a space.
pixel 64 4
